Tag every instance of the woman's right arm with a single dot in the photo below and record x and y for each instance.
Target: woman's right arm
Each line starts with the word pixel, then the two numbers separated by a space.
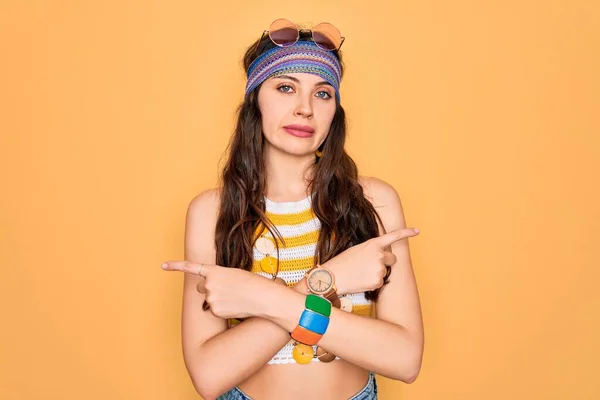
pixel 217 358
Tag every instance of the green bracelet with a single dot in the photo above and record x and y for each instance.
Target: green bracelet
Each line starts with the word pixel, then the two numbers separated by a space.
pixel 318 304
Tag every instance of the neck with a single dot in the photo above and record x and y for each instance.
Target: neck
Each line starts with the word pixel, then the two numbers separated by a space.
pixel 287 175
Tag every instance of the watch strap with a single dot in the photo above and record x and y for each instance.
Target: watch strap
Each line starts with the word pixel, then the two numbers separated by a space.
pixel 333 297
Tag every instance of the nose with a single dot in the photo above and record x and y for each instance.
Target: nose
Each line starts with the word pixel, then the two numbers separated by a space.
pixel 304 106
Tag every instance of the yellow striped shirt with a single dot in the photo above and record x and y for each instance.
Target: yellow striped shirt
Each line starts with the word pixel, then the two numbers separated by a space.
pixel 299 228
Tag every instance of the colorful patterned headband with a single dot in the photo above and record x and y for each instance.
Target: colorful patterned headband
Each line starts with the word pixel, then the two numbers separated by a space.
pixel 303 56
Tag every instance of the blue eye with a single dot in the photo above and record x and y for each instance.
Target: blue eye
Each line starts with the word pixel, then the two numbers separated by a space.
pixel 327 95
pixel 284 86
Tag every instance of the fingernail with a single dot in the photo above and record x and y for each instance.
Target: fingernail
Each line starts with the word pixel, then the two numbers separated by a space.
pixel 416 230
pixel 164 266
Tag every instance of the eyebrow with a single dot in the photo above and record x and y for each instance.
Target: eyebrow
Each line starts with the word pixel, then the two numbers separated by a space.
pixel 292 78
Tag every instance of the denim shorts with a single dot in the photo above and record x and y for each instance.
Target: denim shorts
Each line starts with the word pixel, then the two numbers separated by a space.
pixel 369 392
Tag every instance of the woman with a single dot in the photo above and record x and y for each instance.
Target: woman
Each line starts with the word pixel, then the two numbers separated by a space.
pixel 340 303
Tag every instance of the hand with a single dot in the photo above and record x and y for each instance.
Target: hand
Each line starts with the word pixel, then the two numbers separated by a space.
pixel 362 267
pixel 230 292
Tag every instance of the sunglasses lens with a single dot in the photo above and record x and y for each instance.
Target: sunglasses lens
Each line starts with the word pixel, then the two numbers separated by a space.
pixel 283 32
pixel 327 36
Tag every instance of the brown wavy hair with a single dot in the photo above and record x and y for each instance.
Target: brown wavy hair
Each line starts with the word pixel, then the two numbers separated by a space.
pixel 347 217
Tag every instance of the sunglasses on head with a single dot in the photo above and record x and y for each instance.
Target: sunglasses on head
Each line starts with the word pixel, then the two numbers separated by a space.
pixel 285 33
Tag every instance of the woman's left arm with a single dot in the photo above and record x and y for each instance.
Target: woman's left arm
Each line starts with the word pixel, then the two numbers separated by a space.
pixel 391 345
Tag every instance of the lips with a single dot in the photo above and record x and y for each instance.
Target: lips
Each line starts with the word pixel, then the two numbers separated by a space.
pixel 299 130
pixel 304 128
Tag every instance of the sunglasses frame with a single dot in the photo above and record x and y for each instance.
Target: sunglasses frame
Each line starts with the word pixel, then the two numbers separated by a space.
pixel 268 32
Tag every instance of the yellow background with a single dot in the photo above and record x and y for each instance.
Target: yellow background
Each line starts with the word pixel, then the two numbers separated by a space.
pixel 482 114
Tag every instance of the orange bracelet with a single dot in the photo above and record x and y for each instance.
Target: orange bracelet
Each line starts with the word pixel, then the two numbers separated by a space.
pixel 305 336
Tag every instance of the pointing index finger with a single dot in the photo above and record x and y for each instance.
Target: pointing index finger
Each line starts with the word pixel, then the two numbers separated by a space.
pixel 187 266
pixel 390 238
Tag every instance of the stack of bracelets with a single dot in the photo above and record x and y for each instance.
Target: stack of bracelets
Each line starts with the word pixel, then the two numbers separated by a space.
pixel 311 327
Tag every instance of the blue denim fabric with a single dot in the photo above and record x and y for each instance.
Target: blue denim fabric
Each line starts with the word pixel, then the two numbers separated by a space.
pixel 369 392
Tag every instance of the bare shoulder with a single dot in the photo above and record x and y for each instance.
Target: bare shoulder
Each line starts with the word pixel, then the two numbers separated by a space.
pixel 378 191
pixel 386 201
pixel 206 202
pixel 200 223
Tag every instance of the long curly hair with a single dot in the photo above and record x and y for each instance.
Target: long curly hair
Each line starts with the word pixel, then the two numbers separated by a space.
pixel 347 217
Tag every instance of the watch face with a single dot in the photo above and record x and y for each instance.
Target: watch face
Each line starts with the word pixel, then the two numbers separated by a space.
pixel 319 281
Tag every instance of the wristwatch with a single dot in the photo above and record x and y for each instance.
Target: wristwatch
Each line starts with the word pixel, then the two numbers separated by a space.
pixel 320 281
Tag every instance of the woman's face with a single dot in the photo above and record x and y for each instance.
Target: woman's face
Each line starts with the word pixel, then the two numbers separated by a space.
pixel 297 110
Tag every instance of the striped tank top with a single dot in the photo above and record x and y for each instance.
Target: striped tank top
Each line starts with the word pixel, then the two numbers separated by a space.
pixel 300 228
